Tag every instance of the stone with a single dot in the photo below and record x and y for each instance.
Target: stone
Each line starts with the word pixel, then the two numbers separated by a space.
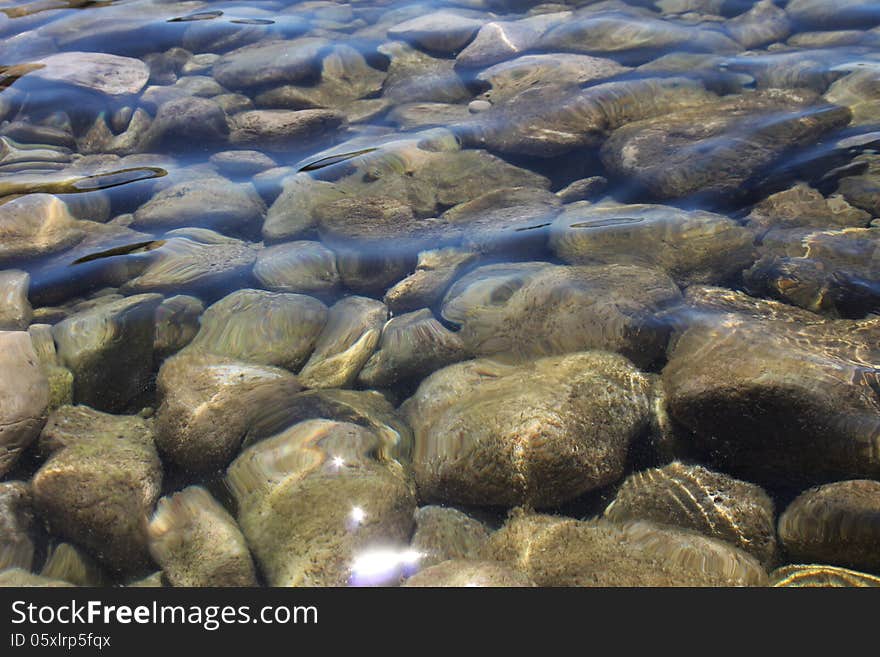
pixel 412 116
pixel 801 206
pixel 260 327
pixel 691 246
pixel 860 92
pixel 19 578
pixel 859 14
pixel 15 309
pixel 712 503
pixel 207 404
pixel 36 225
pixel 298 266
pixel 554 119
pixel 435 271
pixel 414 76
pixel 18 526
pixel 24 396
pixel 498 41
pixel 273 62
pixel 557 551
pixel 512 220
pixel 582 189
pixel 241 164
pixel 718 150
pixel 68 563
pixel 441 31
pixel 510 78
pixel 197 543
pixel 177 322
pixel 860 191
pixel 107 74
pixel 213 203
pixel 834 524
pixel 459 573
pixel 537 308
pixel 821 577
pixel 194 260
pixel 763 24
pixel 776 398
pixel 539 433
pixel 109 349
pixel 99 484
pixel 351 334
pixel 315 497
pixel 282 130
pixel 444 533
pixel 185 121
pixel 412 346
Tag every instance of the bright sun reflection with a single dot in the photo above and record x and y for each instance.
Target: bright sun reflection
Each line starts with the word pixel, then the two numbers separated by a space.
pixel 382 566
pixel 358 514
pixel 338 462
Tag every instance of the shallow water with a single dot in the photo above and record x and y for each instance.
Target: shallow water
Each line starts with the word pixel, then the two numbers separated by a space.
pixel 482 292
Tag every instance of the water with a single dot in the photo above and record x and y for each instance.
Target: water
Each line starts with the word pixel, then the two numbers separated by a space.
pixel 316 293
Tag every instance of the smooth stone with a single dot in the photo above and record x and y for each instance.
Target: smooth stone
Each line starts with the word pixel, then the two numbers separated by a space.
pixel 244 164
pixel 24 396
pixel 510 220
pixel 539 433
pixel 827 271
pixel 371 273
pixel 299 266
pixel 366 408
pixel 860 92
pixel 716 150
pixel 282 130
pixel 412 346
pixel 197 543
pixel 107 74
pixel 99 484
pixel 414 76
pixel 837 524
pixel 554 119
pixel 207 404
pixel 557 551
pixel 351 334
pixel 60 378
pixel 194 260
pixel 444 533
pixel 177 322
pixel 15 309
pixel 275 62
pixel 776 399
pixel 819 576
pixel 109 349
pixel 435 271
pixel 536 309
pixel 412 116
pixel 68 563
pixel 763 24
pixel 582 189
pixel 35 225
pixel 186 121
pixel 441 31
pixel 213 203
pixel 859 14
pixel 497 41
pixel 314 498
pixel 691 246
pixel 458 573
pixel 233 103
pixel 862 192
pixel 18 526
pixel 510 78
pixel 712 503
pixel 260 327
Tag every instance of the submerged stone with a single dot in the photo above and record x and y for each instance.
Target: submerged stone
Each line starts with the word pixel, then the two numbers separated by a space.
pixel 15 309
pixel 821 577
pixel 444 533
pixel 458 573
pixel 35 225
pixel 267 63
pixel 299 266
pixel 441 31
pixel 282 130
pixel 434 272
pixel 18 526
pixel 539 433
pixel 108 74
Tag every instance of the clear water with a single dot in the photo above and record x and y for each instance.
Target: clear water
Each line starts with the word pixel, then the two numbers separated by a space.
pixel 316 293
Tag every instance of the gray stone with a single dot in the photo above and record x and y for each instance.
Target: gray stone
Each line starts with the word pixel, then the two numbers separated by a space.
pixel 500 40
pixel 299 266
pixel 108 74
pixel 274 62
pixel 435 271
pixel 282 130
pixel 441 31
